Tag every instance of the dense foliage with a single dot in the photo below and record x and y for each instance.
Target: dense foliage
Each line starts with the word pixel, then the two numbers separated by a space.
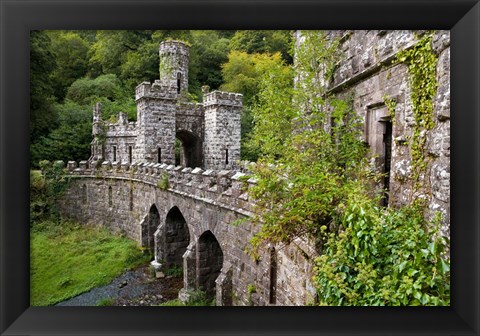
pixel 72 70
pixel 314 181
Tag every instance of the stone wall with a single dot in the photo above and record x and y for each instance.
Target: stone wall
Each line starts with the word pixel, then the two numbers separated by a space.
pixel 132 200
pixel 369 73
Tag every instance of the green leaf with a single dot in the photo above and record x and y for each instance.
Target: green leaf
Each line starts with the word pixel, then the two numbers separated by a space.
pixel 445 267
pixel 402 266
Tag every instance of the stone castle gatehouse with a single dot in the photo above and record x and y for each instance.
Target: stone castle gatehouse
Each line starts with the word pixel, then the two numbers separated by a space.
pixel 209 132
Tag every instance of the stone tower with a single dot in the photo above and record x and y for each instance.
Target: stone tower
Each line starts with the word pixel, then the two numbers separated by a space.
pixel 174 65
pixel 209 132
pixel 222 129
pixel 97 144
pixel 157 105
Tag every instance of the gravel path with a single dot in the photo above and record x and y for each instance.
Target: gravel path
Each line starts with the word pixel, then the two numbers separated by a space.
pixel 132 288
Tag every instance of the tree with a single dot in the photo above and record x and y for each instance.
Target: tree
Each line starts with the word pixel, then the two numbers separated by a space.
pixel 70 51
pixel 140 65
pixel 42 63
pixel 245 73
pixel 263 41
pixel 111 47
pixel 71 139
pixel 87 91
pixel 208 52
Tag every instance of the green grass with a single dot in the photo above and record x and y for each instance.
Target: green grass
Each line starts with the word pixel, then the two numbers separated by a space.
pixel 106 302
pixel 196 298
pixel 67 259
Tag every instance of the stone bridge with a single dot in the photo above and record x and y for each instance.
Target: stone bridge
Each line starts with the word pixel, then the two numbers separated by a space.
pixel 194 219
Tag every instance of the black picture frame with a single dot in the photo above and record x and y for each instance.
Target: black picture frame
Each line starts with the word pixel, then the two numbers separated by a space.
pixel 18 17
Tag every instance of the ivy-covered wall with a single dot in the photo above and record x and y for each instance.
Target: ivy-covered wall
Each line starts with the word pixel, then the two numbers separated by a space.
pixel 402 77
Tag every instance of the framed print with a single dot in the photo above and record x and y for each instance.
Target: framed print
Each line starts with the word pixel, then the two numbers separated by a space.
pixel 213 143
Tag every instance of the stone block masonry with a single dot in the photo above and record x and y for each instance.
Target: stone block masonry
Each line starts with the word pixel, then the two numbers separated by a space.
pixel 209 132
pixel 369 72
pixel 186 217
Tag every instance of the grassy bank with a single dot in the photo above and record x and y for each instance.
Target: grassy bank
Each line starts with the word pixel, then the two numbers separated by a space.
pixel 67 259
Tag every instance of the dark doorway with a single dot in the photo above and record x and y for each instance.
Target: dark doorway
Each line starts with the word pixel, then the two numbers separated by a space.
pixel 177 238
pixel 190 150
pixel 210 261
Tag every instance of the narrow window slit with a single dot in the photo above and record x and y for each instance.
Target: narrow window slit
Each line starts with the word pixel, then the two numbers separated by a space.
pixel 110 196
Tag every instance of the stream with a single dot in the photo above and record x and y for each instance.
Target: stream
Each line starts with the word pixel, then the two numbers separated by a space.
pixel 133 288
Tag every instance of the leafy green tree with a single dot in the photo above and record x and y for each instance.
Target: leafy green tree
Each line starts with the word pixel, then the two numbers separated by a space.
pixel 87 91
pixel 70 51
pixel 207 54
pixel 42 64
pixel 140 65
pixel 245 73
pixel 314 181
pixel 111 47
pixel 263 41
pixel 71 139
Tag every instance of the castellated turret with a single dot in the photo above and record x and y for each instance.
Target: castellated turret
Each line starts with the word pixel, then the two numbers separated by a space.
pixel 222 129
pixel 174 57
pixel 97 145
pixel 209 132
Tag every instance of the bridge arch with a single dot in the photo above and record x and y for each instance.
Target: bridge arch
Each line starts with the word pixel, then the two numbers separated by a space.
pixel 209 262
pixel 189 151
pixel 177 237
pixel 149 225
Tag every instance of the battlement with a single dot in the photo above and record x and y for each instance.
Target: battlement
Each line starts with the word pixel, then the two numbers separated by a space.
pixel 156 90
pixel 225 188
pixel 173 46
pixel 189 108
pixel 223 98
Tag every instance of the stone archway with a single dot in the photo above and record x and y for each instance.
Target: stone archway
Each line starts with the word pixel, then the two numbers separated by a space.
pixel 190 150
pixel 149 225
pixel 209 263
pixel 177 238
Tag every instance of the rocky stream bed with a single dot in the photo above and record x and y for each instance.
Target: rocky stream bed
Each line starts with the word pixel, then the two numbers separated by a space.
pixel 133 288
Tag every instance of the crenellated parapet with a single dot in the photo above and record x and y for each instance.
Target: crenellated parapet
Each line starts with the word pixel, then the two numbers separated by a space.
pixel 225 188
pixel 121 127
pixel 156 90
pixel 223 98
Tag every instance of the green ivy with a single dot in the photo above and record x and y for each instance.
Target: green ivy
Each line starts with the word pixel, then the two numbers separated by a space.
pixel 46 186
pixel 421 61
pixel 163 183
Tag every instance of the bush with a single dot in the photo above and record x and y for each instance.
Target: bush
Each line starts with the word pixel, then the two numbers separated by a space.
pixel 383 257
